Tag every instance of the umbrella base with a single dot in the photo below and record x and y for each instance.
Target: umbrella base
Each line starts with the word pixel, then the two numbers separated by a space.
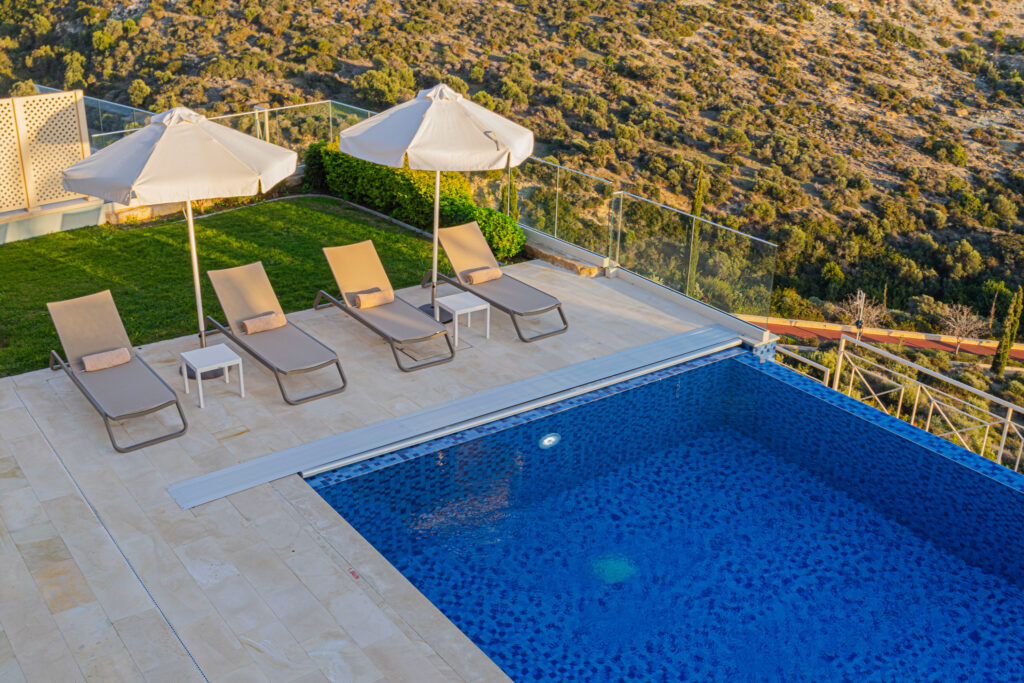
pixel 443 315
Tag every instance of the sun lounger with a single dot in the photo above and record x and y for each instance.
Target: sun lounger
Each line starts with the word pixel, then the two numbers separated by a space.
pixel 88 326
pixel 467 251
pixel 245 293
pixel 357 270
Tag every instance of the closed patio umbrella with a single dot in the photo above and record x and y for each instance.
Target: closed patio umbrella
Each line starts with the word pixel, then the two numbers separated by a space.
pixel 439 130
pixel 181 157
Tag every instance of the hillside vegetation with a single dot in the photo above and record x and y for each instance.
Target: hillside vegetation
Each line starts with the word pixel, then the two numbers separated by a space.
pixel 879 144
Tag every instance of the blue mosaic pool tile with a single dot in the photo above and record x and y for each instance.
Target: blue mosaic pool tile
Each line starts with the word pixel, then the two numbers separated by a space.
pixel 340 474
pixel 729 522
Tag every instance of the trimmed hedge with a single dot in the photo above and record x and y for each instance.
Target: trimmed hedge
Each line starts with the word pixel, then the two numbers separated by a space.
pixel 408 195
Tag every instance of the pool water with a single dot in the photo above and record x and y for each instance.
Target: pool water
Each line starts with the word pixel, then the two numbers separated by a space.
pixel 663 536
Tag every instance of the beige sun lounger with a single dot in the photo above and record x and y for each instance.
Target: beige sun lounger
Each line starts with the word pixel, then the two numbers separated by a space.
pixel 91 324
pixel 245 292
pixel 467 251
pixel 357 269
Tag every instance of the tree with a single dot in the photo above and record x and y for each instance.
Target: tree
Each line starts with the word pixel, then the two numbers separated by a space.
pixel 510 201
pixel 700 193
pixel 960 321
pixel 1010 327
pixel 138 91
pixel 849 311
pixel 832 274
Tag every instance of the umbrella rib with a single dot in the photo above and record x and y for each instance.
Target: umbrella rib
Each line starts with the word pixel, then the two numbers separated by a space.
pixel 230 153
pixel 142 171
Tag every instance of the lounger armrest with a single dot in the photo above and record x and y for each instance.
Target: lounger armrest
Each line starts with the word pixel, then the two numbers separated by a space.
pixel 57 362
pixel 321 295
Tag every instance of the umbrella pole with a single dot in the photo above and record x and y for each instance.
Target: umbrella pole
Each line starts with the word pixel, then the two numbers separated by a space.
pixel 195 271
pixel 437 226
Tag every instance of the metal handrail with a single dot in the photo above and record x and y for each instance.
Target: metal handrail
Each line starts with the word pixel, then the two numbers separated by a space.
pixel 571 170
pixel 806 361
pixel 689 215
pixel 920 368
pixel 937 400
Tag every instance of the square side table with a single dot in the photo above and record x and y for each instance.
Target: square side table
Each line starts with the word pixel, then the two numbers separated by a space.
pixel 464 302
pixel 215 357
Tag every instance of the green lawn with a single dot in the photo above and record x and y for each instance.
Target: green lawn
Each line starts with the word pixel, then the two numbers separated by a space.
pixel 149 272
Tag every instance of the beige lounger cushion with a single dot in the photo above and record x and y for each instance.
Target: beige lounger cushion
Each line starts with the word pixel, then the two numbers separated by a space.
pixel 482 275
pixel 468 252
pixel 125 389
pixel 289 349
pixel 357 269
pixel 263 323
pixel 106 359
pixel 89 324
pixel 377 297
pixel 466 248
pixel 515 295
pixel 401 321
pixel 244 292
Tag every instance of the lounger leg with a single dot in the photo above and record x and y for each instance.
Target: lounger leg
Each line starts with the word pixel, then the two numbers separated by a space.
pixel 543 335
pixel 395 348
pixel 303 399
pixel 149 442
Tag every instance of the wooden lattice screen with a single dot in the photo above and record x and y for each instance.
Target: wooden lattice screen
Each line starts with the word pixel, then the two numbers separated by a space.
pixel 40 136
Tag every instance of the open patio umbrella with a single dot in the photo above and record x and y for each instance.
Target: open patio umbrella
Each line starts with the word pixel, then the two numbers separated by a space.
pixel 181 157
pixel 438 130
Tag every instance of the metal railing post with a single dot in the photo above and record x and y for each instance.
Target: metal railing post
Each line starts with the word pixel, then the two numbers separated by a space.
pixel 839 361
pixel 1006 431
pixel 558 194
pixel 330 122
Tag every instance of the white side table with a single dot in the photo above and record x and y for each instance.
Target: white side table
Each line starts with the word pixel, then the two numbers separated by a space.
pixel 464 302
pixel 213 357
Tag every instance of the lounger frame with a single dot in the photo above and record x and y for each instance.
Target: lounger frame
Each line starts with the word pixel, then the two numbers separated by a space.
pixel 396 344
pixel 57 362
pixel 505 309
pixel 279 373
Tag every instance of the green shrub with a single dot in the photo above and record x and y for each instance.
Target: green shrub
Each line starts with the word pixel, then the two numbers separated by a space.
pixel 407 195
pixel 503 234
pixel 313 178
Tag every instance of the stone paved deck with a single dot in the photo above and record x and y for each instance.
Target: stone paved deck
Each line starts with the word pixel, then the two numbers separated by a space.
pixel 269 584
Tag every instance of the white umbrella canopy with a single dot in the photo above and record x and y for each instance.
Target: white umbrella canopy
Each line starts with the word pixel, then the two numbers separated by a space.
pixel 438 130
pixel 181 157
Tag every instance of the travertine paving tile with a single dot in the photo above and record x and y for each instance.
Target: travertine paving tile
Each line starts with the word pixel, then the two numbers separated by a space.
pixel 269 584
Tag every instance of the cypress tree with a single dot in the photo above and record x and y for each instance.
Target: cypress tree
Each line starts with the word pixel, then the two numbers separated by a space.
pixel 1010 328
pixel 510 202
pixel 700 193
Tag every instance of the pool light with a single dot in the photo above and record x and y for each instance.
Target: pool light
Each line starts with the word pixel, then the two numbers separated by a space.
pixel 550 440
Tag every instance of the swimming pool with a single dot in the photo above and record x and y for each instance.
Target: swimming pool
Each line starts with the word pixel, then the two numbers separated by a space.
pixel 722 520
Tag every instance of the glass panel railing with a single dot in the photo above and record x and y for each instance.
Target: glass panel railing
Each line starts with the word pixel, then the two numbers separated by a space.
pixel 489 189
pixel 100 140
pixel 734 271
pixel 724 268
pixel 584 211
pixel 652 242
pixel 536 184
